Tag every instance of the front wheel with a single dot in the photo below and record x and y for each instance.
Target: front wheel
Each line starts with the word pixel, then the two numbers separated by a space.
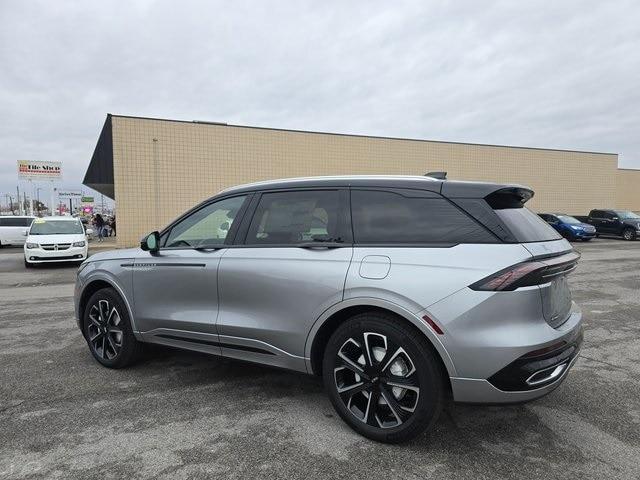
pixel 27 264
pixel 629 234
pixel 383 378
pixel 107 329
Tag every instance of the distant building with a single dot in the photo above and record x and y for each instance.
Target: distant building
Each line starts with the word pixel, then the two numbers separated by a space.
pixel 156 169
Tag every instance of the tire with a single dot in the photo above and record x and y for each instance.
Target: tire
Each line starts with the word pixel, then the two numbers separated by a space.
pixel 408 359
pixel 629 234
pixel 586 239
pixel 27 264
pixel 107 329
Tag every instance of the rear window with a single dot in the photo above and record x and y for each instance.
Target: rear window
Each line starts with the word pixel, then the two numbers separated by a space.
pixel 389 217
pixel 15 221
pixel 526 226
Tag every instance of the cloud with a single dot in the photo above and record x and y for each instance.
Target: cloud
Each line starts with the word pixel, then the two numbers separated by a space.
pixel 560 74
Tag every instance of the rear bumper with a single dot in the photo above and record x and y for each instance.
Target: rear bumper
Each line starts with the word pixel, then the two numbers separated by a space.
pixel 524 379
pixel 471 390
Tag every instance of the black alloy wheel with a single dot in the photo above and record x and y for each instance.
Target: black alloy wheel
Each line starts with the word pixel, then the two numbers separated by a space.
pixel 629 234
pixel 383 378
pixel 107 330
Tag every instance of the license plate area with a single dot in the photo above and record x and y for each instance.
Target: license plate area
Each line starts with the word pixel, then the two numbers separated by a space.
pixel 556 301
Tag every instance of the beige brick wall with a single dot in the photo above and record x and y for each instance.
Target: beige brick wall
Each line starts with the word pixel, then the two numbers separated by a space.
pixel 628 189
pixel 157 180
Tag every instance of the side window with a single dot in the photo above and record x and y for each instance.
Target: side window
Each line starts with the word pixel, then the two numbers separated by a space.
pixel 284 218
pixel 597 214
pixel 207 226
pixel 26 222
pixel 13 222
pixel 388 217
pixel 608 215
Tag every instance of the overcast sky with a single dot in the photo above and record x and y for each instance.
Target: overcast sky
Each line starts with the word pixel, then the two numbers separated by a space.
pixel 562 74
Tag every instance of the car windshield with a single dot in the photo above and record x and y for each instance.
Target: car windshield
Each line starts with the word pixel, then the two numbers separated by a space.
pixel 55 227
pixel 568 219
pixel 625 214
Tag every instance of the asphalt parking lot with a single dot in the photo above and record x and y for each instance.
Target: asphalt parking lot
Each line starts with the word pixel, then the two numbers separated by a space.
pixel 184 415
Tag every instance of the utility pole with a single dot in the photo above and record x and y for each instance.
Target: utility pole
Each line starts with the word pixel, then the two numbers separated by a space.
pixel 31 199
pixel 18 200
pixel 38 199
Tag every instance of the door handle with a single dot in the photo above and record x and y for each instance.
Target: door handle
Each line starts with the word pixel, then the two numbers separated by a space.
pixel 207 249
pixel 320 245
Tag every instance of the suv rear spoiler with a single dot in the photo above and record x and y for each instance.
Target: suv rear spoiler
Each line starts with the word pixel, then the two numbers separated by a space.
pixel 516 193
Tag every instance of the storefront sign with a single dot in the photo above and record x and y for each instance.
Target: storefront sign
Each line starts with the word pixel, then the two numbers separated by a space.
pixel 32 170
pixel 65 194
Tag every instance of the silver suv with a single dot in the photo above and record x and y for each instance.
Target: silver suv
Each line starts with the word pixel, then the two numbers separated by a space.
pixel 399 291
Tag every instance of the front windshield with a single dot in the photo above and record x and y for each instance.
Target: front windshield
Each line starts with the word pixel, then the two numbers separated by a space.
pixel 568 219
pixel 626 214
pixel 41 226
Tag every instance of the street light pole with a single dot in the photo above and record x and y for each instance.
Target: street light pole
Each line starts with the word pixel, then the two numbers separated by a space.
pixel 38 199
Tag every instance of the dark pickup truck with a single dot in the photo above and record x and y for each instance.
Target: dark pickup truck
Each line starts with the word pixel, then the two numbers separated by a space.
pixel 614 222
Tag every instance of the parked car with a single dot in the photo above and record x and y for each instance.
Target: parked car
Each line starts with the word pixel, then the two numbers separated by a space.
pixel 614 222
pixel 55 239
pixel 569 227
pixel 396 290
pixel 12 229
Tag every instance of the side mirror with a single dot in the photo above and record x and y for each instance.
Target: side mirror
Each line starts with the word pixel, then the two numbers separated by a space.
pixel 89 231
pixel 151 243
pixel 25 233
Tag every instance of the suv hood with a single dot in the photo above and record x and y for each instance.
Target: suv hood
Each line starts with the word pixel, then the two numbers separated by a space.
pixel 115 254
pixel 66 238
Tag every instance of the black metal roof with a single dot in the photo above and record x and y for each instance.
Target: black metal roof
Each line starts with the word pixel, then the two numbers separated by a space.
pixel 99 175
pixel 448 188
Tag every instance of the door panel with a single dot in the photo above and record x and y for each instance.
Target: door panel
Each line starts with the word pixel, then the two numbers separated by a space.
pixel 274 295
pixel 176 289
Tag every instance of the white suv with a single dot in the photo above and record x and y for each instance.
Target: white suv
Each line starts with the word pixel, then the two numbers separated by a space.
pixel 55 239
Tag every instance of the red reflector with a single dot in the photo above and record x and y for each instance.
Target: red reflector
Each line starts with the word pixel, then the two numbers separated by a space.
pixel 542 351
pixel 436 328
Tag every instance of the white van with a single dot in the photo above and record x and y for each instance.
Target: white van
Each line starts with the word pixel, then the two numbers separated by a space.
pixel 12 229
pixel 56 239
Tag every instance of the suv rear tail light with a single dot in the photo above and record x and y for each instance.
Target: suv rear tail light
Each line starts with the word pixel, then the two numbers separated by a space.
pixel 527 274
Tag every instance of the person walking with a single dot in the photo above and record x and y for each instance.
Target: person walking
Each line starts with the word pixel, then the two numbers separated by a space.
pixel 98 221
pixel 113 225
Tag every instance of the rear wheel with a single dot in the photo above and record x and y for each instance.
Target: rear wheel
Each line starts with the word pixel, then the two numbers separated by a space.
pixel 382 378
pixel 107 329
pixel 629 234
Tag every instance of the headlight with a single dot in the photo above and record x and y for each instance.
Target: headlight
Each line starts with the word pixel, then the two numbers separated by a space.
pixel 79 244
pixel 32 245
pixel 575 227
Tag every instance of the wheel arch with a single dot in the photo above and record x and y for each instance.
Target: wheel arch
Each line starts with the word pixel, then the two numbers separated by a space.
pixel 336 315
pixel 92 287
